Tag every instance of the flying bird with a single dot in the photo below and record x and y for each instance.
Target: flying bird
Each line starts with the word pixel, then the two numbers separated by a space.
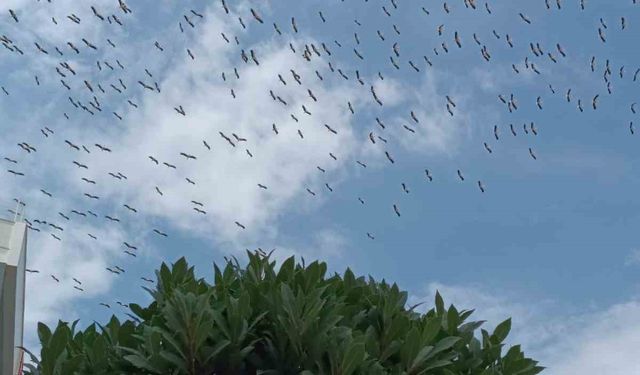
pixel 389 157
pixel 13 15
pixel 396 210
pixel 160 233
pixel 486 147
pixel 428 175
pixel 525 18
pixel 256 16
pixel 481 186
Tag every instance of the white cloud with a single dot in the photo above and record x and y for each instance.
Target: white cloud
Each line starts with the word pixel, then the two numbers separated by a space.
pixel 326 245
pixel 603 341
pixel 12 4
pixel 390 92
pixel 227 178
pixel 607 343
pixel 36 22
pixel 78 256
pixel 437 132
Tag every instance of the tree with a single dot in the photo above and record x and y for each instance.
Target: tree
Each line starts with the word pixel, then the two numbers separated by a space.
pixel 260 319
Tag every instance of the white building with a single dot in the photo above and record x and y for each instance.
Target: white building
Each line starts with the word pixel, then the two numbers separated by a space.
pixel 13 252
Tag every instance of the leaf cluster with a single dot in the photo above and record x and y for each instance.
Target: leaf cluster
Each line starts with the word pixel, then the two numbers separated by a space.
pixel 291 319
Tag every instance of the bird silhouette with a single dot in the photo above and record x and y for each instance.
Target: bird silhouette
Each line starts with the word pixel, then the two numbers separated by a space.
pixel 13 15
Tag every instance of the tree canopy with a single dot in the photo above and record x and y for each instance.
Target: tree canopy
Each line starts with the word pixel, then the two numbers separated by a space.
pixel 291 319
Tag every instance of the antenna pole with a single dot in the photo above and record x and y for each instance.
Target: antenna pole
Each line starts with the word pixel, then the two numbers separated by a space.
pixel 19 211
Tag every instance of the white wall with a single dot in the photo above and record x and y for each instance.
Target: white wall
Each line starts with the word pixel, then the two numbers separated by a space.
pixel 5 234
pixel 13 260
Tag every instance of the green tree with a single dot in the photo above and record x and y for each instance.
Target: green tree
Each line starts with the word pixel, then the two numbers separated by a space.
pixel 260 319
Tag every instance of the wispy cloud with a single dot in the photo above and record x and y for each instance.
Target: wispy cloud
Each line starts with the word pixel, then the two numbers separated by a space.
pixel 604 343
pixel 227 177
pixel 633 259
pixel 437 131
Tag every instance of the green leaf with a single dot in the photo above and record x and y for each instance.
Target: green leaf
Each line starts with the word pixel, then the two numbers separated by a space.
pixel 470 327
pixel 420 358
pixel 431 330
pixel 501 332
pixel 437 364
pixel 44 333
pixel 178 362
pixel 439 304
pixel 352 358
pixel 59 340
pixel 453 319
pixel 444 344
pixel 139 311
pixel 139 362
pixel 286 269
pixel 212 352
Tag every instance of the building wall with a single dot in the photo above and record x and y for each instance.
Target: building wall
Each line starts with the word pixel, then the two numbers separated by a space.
pixel 7 329
pixel 6 228
pixel 18 334
pixel 2 266
pixel 12 281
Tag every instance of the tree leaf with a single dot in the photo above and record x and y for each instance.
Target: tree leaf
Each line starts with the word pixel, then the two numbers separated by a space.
pixel 501 332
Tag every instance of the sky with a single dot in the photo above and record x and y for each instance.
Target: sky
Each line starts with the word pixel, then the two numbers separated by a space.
pixel 550 241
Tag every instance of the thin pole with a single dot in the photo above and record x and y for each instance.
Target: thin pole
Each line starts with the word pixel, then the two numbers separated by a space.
pixel 15 216
pixel 19 211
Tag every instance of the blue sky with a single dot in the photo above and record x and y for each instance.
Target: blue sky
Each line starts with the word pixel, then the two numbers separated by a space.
pixel 549 237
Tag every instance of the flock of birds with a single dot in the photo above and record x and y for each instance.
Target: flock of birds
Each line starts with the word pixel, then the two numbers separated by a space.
pixel 87 94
